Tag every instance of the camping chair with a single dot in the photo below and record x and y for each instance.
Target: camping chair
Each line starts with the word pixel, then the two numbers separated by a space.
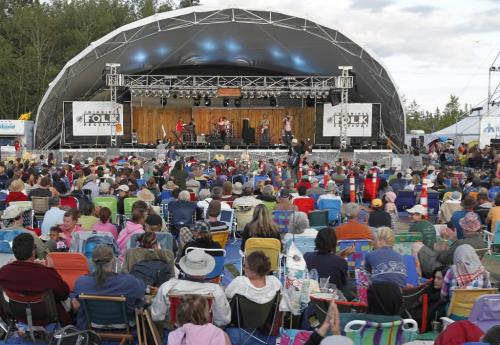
pixel 282 219
pixel 303 244
pixel 220 237
pixel 127 206
pixel 333 206
pixel 219 256
pixel 249 317
pixel 403 242
pixel 6 239
pixel 68 201
pixel 28 218
pixel 227 216
pixel 412 278
pixel 411 296
pixel 462 301
pixel 357 259
pixel 269 205
pixel 305 205
pixel 40 206
pixel 110 202
pixel 258 178
pixel 164 239
pixel 484 312
pixel 318 219
pixel 37 311
pixel 433 202
pixel 386 333
pixel 243 215
pixel 70 266
pixel 405 199
pixel 175 299
pixel 270 246
pixel 107 315
pixel 321 305
pixel 166 194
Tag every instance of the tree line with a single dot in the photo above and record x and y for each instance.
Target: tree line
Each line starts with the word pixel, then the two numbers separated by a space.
pixel 38 37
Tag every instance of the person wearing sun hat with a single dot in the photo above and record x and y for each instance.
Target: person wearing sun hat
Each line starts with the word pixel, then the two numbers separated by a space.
pixel 422 226
pixel 378 217
pixel 195 265
pixel 449 207
pixel 468 204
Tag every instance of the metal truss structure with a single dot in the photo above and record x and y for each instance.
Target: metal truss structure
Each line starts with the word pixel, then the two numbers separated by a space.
pixel 250 86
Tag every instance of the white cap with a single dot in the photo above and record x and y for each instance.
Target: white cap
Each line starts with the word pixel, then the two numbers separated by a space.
pixel 123 187
pixel 417 209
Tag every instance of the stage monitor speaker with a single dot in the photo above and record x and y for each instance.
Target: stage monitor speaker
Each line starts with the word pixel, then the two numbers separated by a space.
pixel 249 135
pixel 246 124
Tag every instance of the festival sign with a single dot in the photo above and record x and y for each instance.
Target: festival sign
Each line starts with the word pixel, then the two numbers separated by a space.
pixel 359 120
pixel 97 119
pixel 490 129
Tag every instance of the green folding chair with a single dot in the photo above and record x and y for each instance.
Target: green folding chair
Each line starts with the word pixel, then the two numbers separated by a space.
pixel 127 205
pixel 386 333
pixel 109 202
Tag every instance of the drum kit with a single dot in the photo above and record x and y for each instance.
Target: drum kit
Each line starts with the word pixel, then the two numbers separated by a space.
pixel 219 129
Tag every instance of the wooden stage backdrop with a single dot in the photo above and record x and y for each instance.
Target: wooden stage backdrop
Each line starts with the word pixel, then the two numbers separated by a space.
pixel 147 121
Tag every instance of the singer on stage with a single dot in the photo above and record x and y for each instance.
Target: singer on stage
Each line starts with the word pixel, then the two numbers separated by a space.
pixel 287 130
pixel 264 131
pixel 222 126
pixel 179 127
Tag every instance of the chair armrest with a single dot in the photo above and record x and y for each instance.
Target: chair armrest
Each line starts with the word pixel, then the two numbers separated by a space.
pixel 446 321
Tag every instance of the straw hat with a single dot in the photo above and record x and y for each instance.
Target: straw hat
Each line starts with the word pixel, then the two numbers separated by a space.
pixel 145 195
pixel 170 185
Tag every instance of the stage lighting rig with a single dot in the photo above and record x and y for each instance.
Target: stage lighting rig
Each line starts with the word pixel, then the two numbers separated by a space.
pixel 225 102
pixel 207 101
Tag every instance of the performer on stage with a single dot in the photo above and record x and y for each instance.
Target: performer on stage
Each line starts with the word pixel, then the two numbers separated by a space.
pixel 178 131
pixel 287 128
pixel 222 125
pixel 264 131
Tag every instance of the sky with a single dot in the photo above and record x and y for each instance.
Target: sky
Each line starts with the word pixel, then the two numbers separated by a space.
pixel 432 49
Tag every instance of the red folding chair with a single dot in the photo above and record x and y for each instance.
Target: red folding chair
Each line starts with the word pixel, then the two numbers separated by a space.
pixel 305 205
pixel 70 266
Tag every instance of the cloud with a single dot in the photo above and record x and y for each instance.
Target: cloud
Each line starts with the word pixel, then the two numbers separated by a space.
pixel 372 5
pixel 420 9
pixel 481 22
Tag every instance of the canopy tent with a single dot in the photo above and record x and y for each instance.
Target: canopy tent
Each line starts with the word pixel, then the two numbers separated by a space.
pixel 221 41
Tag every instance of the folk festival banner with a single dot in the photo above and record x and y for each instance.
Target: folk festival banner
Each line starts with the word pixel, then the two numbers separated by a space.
pixel 359 123
pixel 97 119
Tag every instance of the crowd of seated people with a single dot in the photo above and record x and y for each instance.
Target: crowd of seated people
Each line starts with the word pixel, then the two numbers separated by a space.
pixel 186 199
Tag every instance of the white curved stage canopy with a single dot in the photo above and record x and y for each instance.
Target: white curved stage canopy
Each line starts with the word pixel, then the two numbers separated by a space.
pixel 221 41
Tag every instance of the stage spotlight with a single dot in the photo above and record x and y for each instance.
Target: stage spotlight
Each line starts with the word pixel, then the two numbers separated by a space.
pixel 309 102
pixel 163 101
pixel 196 101
pixel 333 97
pixel 174 95
pixel 225 102
pixel 237 102
pixel 272 101
pixel 207 102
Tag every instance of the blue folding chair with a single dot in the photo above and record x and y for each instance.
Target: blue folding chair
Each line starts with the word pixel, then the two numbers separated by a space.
pixel 333 206
pixel 227 216
pixel 405 199
pixel 219 256
pixel 282 219
pixel 411 270
pixel 166 194
pixel 433 202
pixel 140 182
pixel 258 178
pixel 164 239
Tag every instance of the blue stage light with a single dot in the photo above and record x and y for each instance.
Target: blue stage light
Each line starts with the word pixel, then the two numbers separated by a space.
pixel 208 45
pixel 277 53
pixel 162 50
pixel 232 46
pixel 140 56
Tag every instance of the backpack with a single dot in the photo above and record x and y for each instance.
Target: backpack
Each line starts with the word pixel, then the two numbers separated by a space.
pixel 152 272
pixel 70 335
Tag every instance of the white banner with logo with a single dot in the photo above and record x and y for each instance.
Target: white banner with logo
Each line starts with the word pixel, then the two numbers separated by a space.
pixel 490 129
pixel 359 122
pixel 11 127
pixel 97 119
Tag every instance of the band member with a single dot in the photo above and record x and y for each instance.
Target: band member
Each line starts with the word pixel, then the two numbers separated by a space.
pixel 223 125
pixel 179 127
pixel 264 131
pixel 287 128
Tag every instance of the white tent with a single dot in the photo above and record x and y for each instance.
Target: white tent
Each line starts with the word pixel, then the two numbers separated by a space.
pixel 464 131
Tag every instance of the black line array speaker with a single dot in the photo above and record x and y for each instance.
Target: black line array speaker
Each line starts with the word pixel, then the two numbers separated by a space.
pixel 249 135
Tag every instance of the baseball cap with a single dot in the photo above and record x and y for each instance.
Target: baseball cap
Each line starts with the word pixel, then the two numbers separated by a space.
pixel 416 209
pixel 123 188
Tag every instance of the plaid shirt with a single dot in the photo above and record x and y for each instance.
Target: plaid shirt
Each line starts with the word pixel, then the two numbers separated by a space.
pixel 450 283
pixel 185 236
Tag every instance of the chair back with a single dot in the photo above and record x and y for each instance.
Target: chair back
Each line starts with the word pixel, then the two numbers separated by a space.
pixel 411 270
pixel 282 219
pixel 243 215
pixel 166 194
pixel 70 266
pixel 433 202
pixel 462 301
pixel 405 199
pixel 270 246
pixel 416 296
pixel 101 311
pixel 386 333
pixel 269 205
pixel 175 299
pixel 333 206
pixel 486 311
pixel 140 182
pixel 34 310
pixel 127 205
pixel 473 195
pixel 219 256
pixel 318 219
pixel 227 216
pixel 220 237
pixel 109 202
pixel 164 239
pixel 6 239
pixel 68 201
pixel 403 242
pixel 303 244
pixel 247 314
pixel 356 259
pixel 258 178
pixel 40 204
pixel 305 205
